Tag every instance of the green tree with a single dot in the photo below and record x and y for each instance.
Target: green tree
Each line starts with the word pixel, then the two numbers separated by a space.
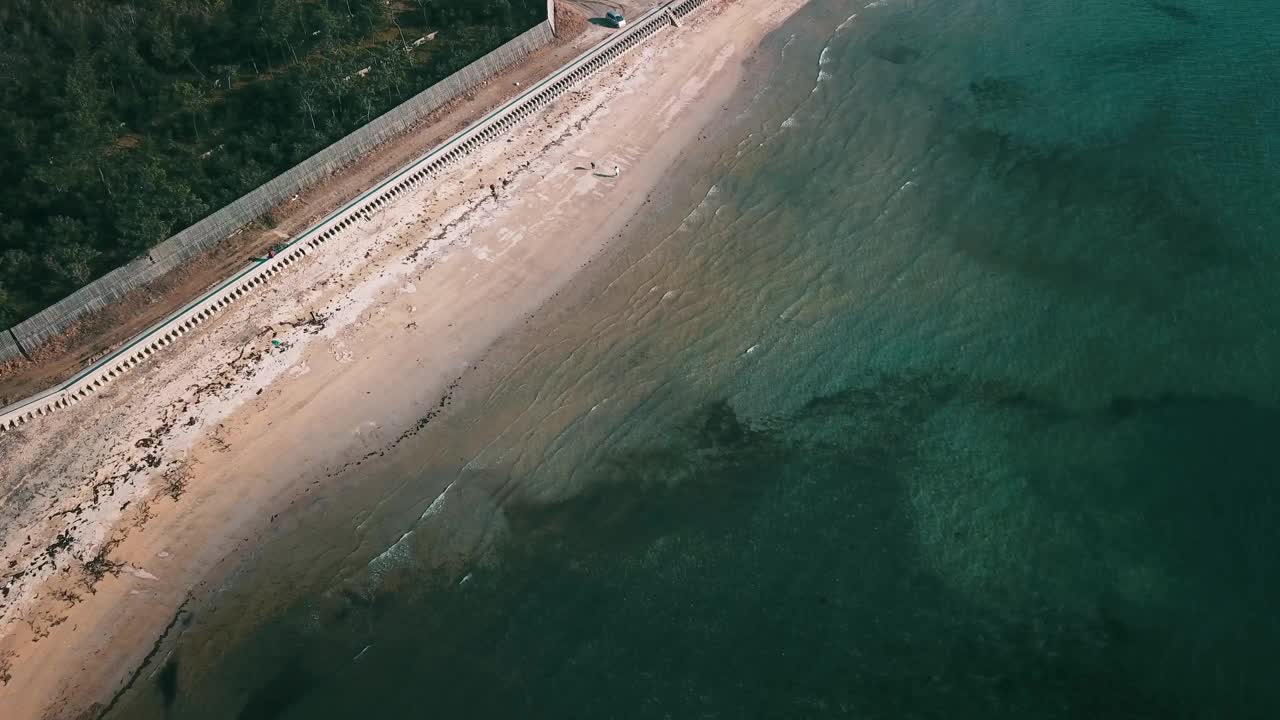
pixel 193 100
pixel 69 253
pixel 422 5
pixel 329 26
pixel 8 313
pixel 226 73
pixel 84 100
pixel 159 206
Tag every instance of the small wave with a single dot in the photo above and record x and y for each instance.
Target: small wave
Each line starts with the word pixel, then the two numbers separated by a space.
pixel 787 44
pixel 789 122
pixel 436 504
pixel 399 552
pixel 393 557
pixel 697 213
pixel 823 59
pixel 845 25
pixel 823 75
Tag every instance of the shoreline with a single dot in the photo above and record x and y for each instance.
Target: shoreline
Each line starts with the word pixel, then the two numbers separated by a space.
pixel 448 272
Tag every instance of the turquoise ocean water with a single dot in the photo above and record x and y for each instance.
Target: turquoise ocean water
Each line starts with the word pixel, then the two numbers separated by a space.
pixel 943 382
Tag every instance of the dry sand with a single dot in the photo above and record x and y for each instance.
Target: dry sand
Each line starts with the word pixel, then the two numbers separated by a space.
pixel 118 510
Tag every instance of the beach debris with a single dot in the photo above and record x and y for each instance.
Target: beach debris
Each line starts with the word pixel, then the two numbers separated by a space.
pixel 139 573
pixel 312 324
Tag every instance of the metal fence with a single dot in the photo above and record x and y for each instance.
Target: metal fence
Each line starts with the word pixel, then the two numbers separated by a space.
pixel 8 346
pixel 204 235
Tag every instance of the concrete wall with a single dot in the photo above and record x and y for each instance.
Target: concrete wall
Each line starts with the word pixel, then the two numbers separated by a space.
pixel 428 167
pixel 204 235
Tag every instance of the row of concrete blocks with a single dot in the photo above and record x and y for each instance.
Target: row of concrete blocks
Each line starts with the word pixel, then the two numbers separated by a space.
pixel 430 166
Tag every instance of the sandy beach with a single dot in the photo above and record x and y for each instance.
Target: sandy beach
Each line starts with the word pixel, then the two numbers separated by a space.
pixel 117 511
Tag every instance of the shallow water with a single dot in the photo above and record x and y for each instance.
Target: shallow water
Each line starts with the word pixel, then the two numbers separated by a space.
pixel 944 383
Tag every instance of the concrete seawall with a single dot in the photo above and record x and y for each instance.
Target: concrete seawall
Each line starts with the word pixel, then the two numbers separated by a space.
pixel 428 167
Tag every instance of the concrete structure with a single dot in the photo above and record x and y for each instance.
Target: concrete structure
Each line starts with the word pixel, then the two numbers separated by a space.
pixel 428 167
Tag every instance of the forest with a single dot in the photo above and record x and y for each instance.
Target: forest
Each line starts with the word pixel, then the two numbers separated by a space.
pixel 124 121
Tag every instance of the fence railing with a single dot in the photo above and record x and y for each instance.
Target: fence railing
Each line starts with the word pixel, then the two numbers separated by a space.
pixel 8 346
pixel 427 167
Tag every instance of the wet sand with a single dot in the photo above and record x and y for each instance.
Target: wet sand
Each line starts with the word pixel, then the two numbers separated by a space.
pixel 122 509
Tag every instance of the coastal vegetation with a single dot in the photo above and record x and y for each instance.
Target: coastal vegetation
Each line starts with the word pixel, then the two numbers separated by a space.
pixel 121 122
